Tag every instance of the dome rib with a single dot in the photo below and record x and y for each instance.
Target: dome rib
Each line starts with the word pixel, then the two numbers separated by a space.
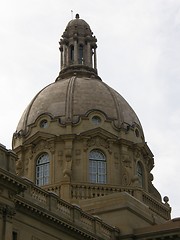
pixel 119 115
pixel 69 100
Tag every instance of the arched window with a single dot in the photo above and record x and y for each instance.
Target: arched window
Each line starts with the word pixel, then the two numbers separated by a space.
pixel 140 174
pixel 97 167
pixel 72 54
pixel 42 170
pixel 80 54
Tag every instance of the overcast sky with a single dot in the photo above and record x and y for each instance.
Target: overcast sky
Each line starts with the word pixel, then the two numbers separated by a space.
pixel 138 55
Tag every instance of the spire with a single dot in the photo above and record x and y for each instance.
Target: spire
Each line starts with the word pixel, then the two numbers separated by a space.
pixel 78 49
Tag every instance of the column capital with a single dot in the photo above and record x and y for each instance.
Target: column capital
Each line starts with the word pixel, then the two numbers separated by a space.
pixel 6 211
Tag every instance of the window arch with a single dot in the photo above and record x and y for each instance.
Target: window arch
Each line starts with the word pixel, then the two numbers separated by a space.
pixel 42 170
pixel 140 173
pixel 97 167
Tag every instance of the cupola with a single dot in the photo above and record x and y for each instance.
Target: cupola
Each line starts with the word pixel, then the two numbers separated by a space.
pixel 78 49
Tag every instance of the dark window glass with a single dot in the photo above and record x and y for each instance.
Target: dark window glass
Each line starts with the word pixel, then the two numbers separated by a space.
pixel 72 54
pixel 80 54
pixel 14 235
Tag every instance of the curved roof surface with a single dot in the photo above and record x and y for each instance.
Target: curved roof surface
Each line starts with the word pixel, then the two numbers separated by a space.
pixel 74 97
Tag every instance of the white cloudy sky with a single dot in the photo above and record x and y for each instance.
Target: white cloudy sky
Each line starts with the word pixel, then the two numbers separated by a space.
pixel 138 55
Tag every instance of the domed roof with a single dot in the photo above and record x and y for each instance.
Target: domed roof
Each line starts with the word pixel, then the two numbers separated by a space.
pixel 77 26
pixel 78 90
pixel 71 98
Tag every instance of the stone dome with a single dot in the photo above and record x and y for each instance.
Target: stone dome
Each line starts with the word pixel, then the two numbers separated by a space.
pixel 70 99
pixel 79 90
pixel 78 137
pixel 77 26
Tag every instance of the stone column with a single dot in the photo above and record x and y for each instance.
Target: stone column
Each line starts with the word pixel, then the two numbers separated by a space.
pixel 89 55
pixel 75 52
pixel 64 56
pixel 67 171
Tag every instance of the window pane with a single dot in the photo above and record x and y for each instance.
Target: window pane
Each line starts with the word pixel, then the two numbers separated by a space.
pixel 97 167
pixel 42 170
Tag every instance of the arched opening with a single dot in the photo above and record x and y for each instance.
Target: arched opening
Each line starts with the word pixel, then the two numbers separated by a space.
pixel 140 173
pixel 71 54
pixel 80 59
pixel 42 170
pixel 97 167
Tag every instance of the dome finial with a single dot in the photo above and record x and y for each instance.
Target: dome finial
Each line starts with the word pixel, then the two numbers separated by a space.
pixel 77 15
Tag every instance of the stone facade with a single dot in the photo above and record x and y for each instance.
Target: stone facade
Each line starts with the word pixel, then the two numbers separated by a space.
pixel 31 213
pixel 80 167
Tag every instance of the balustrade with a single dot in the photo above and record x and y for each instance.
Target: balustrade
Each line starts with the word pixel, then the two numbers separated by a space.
pixel 87 191
pixel 156 206
pixel 66 211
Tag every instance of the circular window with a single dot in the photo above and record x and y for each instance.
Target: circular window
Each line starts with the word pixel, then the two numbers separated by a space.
pixel 96 120
pixel 43 123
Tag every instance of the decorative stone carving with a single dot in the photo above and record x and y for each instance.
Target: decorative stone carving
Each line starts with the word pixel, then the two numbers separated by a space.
pixel 137 154
pixel 11 195
pixel 68 163
pixel 7 211
pixel 42 145
pixel 85 145
pixel 126 160
pixel 135 181
pixel 52 147
pixel 125 179
pixel 149 163
pixel 19 167
pixel 28 158
pixel 99 142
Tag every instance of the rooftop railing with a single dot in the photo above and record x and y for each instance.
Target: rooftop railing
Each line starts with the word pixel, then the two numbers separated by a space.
pixel 87 191
pixel 73 214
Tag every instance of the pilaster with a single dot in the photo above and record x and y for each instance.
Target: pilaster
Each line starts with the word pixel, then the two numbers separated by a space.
pixel 6 215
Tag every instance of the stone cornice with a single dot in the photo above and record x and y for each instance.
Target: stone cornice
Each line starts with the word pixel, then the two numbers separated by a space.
pixel 168 230
pixel 11 181
pixel 41 213
pixel 66 225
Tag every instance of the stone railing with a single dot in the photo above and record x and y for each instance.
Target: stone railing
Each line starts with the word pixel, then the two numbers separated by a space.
pixel 162 209
pixel 55 188
pixel 49 203
pixel 87 191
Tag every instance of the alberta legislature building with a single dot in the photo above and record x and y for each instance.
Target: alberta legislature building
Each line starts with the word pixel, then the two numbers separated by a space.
pixel 79 167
